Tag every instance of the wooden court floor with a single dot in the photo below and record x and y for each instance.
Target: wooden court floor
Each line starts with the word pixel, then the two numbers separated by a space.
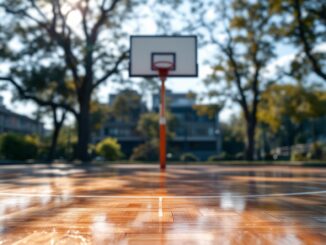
pixel 138 204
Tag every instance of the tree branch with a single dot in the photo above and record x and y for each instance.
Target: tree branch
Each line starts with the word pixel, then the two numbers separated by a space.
pixel 228 50
pixel 34 5
pixel 24 94
pixel 84 12
pixel 255 88
pixel 62 39
pixel 21 12
pixel 112 71
pixel 302 34
pixel 101 19
pixel 237 75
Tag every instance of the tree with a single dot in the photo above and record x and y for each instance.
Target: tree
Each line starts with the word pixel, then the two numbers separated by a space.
pixel 127 106
pixel 67 142
pixel 149 151
pixel 304 24
pixel 48 89
pixel 83 36
pixel 209 110
pixel 241 33
pixel 99 115
pixel 57 125
pixel 148 127
pixel 233 135
pixel 288 106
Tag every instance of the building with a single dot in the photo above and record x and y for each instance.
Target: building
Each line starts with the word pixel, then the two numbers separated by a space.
pixel 122 124
pixel 192 133
pixel 16 123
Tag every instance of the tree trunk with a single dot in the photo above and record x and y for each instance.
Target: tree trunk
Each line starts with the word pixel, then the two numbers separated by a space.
pixel 84 99
pixel 54 142
pixel 57 125
pixel 250 141
pixel 83 130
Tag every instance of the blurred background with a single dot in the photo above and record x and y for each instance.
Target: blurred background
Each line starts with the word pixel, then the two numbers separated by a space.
pixel 65 92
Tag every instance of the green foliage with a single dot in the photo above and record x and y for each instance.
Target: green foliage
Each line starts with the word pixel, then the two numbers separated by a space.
pixel 86 59
pixel 323 149
pixel 298 156
pixel 244 52
pixel 47 87
pixel 233 136
pixel 148 151
pixel 18 147
pixel 210 110
pixel 99 115
pixel 192 95
pixel 316 151
pixel 148 126
pixel 302 23
pixel 67 142
pixel 127 106
pixel 189 157
pixel 220 157
pixel 109 149
pixel 292 101
pixel 239 156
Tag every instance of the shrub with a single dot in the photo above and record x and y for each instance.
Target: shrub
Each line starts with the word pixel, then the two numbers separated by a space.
pixel 323 149
pixel 18 147
pixel 145 152
pixel 298 156
pixel 222 156
pixel 214 158
pixel 109 149
pixel 315 152
pixel 239 156
pixel 189 157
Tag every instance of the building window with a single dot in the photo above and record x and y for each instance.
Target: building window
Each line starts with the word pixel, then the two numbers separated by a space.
pixel 201 131
pixel 211 131
pixel 114 131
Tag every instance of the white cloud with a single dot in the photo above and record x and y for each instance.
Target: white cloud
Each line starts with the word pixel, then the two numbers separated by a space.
pixel 320 48
pixel 285 60
pixel 281 62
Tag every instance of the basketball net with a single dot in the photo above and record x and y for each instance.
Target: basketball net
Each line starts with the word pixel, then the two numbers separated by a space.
pixel 163 73
pixel 163 68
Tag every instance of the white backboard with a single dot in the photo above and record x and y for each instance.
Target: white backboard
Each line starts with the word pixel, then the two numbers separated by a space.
pixel 145 50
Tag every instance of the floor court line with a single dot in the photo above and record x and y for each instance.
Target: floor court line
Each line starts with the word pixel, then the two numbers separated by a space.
pixel 166 197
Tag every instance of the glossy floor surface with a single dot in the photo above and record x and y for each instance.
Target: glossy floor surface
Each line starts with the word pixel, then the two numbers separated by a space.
pixel 138 204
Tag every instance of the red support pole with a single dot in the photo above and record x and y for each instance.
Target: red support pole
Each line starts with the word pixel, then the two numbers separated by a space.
pixel 162 127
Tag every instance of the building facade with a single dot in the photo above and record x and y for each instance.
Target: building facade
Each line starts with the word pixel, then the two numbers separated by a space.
pixel 123 127
pixel 16 123
pixel 192 133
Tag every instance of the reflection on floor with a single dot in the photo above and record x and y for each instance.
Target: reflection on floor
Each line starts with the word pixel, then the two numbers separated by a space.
pixel 138 204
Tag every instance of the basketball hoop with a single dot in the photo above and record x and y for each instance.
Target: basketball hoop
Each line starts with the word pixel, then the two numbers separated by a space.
pixel 163 68
pixel 163 57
